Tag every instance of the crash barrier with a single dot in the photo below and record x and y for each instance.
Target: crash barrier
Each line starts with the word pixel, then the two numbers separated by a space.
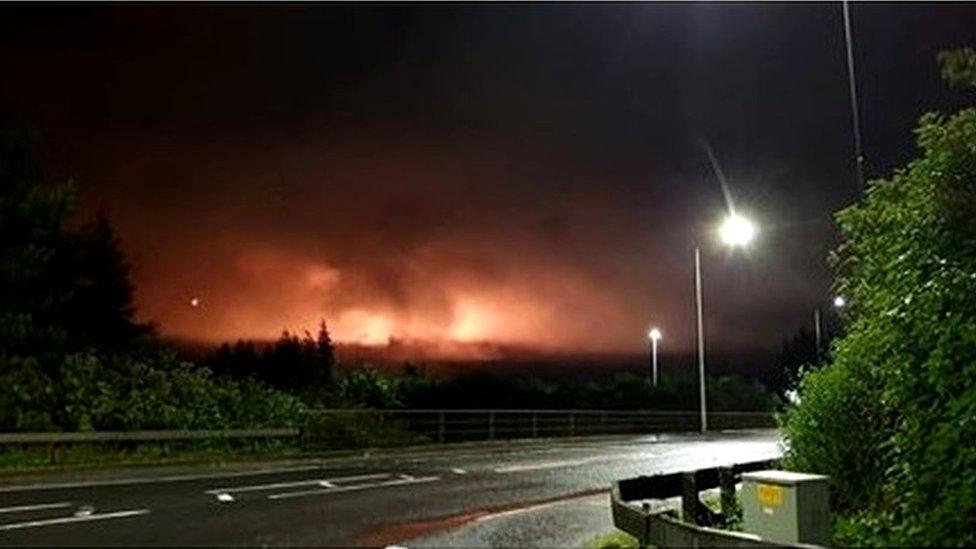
pixel 139 436
pixel 338 428
pixel 632 500
pixel 91 445
pixel 361 428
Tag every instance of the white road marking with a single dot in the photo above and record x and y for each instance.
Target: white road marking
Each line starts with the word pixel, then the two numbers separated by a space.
pixel 459 471
pixel 67 520
pixel 20 508
pixel 395 482
pixel 151 480
pixel 308 482
pixel 555 464
pixel 326 484
pixel 225 498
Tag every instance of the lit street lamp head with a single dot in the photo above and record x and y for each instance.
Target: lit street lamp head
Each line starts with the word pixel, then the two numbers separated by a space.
pixel 737 230
pixel 654 334
pixel 840 302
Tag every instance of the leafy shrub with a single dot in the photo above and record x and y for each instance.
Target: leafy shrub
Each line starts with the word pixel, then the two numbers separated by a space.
pixel 88 391
pixel 894 416
pixel 367 387
pixel 835 432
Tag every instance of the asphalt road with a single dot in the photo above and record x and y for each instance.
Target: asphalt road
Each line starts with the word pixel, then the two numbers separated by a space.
pixel 539 493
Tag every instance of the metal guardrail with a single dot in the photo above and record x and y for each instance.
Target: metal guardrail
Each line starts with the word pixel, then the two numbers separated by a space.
pixel 630 503
pixel 143 436
pixel 441 426
pixel 436 426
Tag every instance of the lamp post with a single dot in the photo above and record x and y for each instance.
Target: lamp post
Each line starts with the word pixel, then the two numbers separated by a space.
pixel 735 231
pixel 839 303
pixel 654 335
pixel 817 329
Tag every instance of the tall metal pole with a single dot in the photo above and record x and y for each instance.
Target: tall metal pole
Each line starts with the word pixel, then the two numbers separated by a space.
pixel 701 339
pixel 654 361
pixel 852 83
pixel 816 333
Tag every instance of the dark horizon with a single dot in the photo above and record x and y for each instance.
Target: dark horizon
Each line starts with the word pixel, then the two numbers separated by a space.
pixel 521 175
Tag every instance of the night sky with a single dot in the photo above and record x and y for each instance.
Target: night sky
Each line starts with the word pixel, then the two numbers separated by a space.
pixel 513 173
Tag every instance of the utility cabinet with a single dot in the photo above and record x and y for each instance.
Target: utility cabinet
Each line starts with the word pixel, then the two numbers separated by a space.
pixel 787 507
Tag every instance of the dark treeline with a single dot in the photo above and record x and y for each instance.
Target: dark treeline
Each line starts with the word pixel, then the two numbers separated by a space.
pixel 72 357
pixel 306 366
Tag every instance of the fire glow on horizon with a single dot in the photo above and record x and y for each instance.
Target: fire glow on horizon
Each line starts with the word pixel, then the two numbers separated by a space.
pixel 268 292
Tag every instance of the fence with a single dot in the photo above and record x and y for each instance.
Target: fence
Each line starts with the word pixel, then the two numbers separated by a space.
pixel 143 436
pixel 343 429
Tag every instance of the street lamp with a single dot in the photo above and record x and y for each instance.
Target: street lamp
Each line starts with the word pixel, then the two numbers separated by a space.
pixel 654 335
pixel 735 231
pixel 839 303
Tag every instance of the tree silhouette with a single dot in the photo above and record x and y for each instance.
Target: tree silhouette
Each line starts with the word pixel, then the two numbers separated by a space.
pixel 798 355
pixel 100 310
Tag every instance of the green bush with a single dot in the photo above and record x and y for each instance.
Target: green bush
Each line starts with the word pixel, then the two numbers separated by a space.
pixel 91 392
pixel 835 432
pixel 893 418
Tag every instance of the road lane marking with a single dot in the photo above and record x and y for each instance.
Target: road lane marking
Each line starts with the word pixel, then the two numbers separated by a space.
pixel 152 480
pixel 458 471
pixel 395 482
pixel 555 464
pixel 38 507
pixel 307 482
pixel 73 518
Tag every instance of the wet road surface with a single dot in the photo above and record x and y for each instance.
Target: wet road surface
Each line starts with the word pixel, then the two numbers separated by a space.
pixel 541 493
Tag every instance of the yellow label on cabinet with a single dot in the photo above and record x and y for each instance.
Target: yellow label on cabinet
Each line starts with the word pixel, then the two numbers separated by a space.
pixel 770 495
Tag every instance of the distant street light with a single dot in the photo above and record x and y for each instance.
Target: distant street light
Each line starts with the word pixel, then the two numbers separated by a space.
pixel 654 335
pixel 839 303
pixel 735 231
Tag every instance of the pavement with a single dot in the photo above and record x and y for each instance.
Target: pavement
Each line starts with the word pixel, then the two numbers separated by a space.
pixel 528 493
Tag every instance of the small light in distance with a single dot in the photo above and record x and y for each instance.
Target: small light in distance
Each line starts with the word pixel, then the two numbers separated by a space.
pixel 654 334
pixel 195 302
pixel 840 302
pixel 737 230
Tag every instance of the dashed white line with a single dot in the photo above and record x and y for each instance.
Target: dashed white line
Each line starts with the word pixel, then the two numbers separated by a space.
pixel 21 508
pixel 459 471
pixel 397 482
pixel 73 518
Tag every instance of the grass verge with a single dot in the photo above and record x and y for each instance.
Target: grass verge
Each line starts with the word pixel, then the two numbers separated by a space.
pixel 615 539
